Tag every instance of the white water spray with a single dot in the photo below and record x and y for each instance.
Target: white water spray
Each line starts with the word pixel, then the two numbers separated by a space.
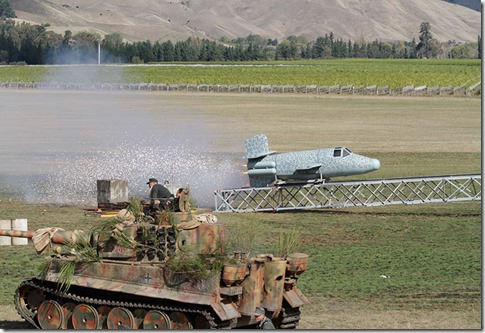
pixel 59 143
pixel 74 179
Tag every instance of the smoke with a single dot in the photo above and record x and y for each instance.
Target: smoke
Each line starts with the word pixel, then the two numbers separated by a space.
pixel 181 162
pixel 64 141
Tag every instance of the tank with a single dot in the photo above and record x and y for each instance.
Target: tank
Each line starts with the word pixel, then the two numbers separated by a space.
pixel 127 273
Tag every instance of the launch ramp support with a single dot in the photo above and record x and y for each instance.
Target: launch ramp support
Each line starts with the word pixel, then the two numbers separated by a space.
pixel 366 193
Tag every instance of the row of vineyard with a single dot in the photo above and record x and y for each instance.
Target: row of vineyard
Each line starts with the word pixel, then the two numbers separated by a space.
pixel 359 74
pixel 462 90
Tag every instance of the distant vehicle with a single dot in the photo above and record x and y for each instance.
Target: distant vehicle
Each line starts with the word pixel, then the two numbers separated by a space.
pixel 265 167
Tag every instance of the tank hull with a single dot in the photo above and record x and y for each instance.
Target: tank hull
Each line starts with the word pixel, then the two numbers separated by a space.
pixel 168 273
pixel 100 293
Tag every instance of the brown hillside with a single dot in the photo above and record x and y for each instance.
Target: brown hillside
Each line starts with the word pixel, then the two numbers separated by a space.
pixel 176 19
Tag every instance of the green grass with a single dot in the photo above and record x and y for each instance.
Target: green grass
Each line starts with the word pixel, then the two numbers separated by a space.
pixel 21 262
pixel 406 164
pixel 357 72
pixel 423 251
pixel 17 264
pixel 431 252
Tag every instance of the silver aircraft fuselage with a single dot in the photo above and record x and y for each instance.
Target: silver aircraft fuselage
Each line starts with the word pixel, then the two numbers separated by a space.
pixel 305 165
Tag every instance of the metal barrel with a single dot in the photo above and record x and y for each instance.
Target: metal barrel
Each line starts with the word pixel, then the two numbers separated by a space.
pixel 274 273
pixel 16 233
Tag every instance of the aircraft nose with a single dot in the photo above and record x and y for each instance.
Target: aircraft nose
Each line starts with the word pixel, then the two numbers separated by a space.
pixel 376 164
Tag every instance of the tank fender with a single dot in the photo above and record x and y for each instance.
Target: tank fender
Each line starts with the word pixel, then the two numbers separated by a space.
pixel 226 311
pixel 295 297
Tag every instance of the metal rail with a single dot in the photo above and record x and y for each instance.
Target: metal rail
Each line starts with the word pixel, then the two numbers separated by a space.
pixel 377 192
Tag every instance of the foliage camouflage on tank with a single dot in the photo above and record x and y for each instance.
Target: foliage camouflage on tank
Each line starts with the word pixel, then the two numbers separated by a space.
pixel 171 274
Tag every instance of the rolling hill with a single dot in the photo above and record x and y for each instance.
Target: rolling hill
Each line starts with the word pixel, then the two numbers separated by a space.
pixel 357 20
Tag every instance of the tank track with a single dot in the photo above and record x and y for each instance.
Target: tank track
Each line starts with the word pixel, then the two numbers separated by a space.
pixel 289 317
pixel 54 293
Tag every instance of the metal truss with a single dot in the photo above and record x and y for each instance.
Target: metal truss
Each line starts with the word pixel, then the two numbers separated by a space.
pixel 366 193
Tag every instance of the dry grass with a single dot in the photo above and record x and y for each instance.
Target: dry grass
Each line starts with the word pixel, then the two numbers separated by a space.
pixel 338 314
pixel 154 20
pixel 411 136
pixel 369 124
pixel 10 319
pixel 366 124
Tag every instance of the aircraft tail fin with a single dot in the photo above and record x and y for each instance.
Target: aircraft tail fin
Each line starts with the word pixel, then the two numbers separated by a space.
pixel 257 146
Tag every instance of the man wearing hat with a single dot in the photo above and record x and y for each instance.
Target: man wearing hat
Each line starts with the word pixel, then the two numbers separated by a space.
pixel 264 322
pixel 160 196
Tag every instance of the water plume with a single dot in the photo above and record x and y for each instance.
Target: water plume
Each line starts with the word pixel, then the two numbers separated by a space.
pixel 60 142
pixel 183 163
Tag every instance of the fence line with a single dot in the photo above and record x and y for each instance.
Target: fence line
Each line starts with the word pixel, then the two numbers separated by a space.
pixel 473 90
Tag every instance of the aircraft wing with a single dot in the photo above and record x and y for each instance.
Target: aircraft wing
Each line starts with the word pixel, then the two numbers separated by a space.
pixel 308 169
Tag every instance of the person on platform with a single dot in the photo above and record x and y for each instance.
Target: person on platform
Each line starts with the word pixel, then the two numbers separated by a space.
pixel 160 196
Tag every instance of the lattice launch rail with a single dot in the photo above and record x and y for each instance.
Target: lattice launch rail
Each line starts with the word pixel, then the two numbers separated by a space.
pixel 366 193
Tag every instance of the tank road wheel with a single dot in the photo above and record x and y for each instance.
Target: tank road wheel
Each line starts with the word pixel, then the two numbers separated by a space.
pixel 67 309
pixel 84 316
pixel 29 300
pixel 201 322
pixel 139 315
pixel 103 312
pixel 120 318
pixel 50 315
pixel 179 321
pixel 156 320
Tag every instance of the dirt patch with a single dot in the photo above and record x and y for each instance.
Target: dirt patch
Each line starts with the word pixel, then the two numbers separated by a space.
pixel 10 319
pixel 336 314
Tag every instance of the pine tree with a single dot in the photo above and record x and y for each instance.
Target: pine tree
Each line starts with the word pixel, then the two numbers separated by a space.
pixel 479 42
pixel 6 9
pixel 425 37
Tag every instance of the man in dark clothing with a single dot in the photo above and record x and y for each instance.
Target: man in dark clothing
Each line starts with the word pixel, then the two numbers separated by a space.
pixel 160 196
pixel 264 322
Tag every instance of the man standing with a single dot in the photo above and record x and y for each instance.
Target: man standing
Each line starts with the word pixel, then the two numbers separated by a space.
pixel 160 196
pixel 264 322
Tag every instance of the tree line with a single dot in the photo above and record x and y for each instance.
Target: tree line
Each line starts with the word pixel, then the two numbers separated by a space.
pixel 34 44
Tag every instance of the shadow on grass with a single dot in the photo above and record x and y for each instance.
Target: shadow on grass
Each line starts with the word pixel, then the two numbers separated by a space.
pixel 387 213
pixel 14 325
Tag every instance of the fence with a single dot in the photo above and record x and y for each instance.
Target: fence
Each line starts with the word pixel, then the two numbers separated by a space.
pixel 474 90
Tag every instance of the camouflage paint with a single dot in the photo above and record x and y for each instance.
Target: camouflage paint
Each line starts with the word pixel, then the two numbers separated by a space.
pixel 51 316
pixel 85 316
pixel 121 318
pixel 252 287
pixel 16 233
pixel 230 295
pixel 153 281
pixel 297 263
pixel 234 273
pixel 274 273
pixel 156 320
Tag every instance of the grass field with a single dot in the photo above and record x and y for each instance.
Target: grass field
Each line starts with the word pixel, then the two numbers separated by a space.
pixel 356 72
pixel 429 254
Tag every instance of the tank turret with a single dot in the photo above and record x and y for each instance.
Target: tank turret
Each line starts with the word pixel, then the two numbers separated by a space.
pixel 175 273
